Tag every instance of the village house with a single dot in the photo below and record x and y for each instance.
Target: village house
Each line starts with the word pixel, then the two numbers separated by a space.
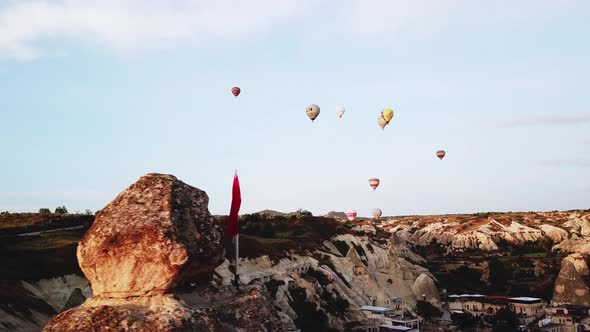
pixel 528 309
pixel 391 319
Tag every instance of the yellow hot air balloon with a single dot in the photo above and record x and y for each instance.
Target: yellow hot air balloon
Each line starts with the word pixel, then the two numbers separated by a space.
pixel 312 111
pixel 387 114
pixel 381 122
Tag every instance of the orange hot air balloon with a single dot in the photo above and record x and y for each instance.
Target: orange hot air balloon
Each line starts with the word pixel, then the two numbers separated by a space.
pixel 440 154
pixel 374 183
pixel 235 91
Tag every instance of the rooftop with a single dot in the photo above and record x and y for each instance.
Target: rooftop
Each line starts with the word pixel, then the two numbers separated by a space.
pixel 375 309
pixel 525 299
pixel 396 328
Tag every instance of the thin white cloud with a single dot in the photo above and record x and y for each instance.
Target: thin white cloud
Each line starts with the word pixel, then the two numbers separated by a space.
pixel 565 162
pixel 125 26
pixel 548 121
pixel 375 18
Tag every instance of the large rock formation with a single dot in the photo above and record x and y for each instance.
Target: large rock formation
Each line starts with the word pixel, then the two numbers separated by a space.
pixel 152 238
pixel 570 288
pixel 424 289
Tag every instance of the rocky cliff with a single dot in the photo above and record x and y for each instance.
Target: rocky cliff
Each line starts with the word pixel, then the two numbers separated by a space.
pixel 488 231
pixel 144 246
pixel 153 260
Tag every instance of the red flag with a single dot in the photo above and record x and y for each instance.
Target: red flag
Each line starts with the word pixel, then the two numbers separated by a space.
pixel 236 200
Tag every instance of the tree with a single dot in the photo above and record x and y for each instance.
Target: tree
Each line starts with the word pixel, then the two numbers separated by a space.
pixel 499 275
pixel 305 213
pixel 88 212
pixel 505 320
pixel 44 211
pixel 61 210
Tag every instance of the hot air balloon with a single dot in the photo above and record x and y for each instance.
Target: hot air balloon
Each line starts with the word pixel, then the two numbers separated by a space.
pixel 387 114
pixel 312 111
pixel 351 215
pixel 374 183
pixel 235 91
pixel 440 154
pixel 381 122
pixel 340 111
pixel 376 213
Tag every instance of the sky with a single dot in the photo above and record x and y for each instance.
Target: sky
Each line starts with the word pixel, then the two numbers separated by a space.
pixel 96 93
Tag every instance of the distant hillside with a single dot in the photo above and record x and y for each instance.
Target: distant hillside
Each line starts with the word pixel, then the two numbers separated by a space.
pixel 491 230
pixel 17 223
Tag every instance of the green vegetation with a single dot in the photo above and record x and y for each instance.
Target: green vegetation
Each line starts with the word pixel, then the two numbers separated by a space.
pixel 505 320
pixel 44 211
pixel 304 213
pixel 61 210
pixel 313 275
pixel 427 310
pixel 310 318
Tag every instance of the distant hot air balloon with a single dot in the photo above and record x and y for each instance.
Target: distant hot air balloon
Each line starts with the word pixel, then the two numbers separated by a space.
pixel 387 114
pixel 376 213
pixel 312 111
pixel 340 111
pixel 374 183
pixel 351 215
pixel 381 122
pixel 440 154
pixel 235 91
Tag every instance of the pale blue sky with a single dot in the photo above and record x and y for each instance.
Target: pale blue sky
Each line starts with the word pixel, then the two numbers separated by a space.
pixel 94 94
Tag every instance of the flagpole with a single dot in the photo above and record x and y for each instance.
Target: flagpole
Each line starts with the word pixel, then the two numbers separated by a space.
pixel 237 260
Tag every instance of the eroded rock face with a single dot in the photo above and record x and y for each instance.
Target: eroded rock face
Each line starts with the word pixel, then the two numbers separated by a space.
pixel 579 263
pixel 154 235
pixel 425 289
pixel 570 287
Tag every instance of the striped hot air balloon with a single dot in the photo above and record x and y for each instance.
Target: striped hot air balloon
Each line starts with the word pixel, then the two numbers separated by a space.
pixel 351 215
pixel 440 154
pixel 235 91
pixel 374 183
pixel 312 111
pixel 376 213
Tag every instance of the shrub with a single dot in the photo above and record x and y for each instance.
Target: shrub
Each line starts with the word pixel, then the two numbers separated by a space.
pixel 44 211
pixel 427 310
pixel 505 320
pixel 61 210
pixel 320 277
pixel 305 213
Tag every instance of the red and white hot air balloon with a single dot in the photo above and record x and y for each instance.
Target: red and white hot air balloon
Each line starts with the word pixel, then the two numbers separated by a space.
pixel 351 215
pixel 374 183
pixel 235 91
pixel 440 154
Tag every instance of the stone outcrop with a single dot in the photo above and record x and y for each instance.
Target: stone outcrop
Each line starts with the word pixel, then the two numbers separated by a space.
pixel 424 289
pixel 556 234
pixel 361 272
pixel 570 288
pixel 154 235
pixel 579 263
